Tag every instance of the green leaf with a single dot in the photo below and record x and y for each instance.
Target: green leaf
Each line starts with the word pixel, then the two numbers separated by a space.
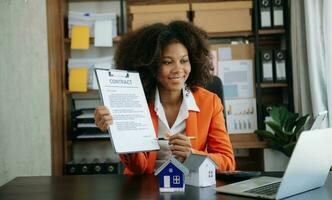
pixel 274 126
pixel 264 134
pixel 289 148
pixel 291 121
pixel 278 131
pixel 267 135
pixel 284 115
pixel 300 124
pixel 279 114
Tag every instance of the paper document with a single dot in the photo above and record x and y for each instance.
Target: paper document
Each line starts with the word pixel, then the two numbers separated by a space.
pixel 214 62
pixel 92 135
pixel 122 93
pixel 86 125
pixel 87 115
pixel 103 34
pixel 78 79
pixel 86 103
pixel 80 37
pixel 238 79
pixel 241 115
pixel 225 53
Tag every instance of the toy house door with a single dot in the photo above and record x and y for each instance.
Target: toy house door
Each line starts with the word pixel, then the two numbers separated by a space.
pixel 167 181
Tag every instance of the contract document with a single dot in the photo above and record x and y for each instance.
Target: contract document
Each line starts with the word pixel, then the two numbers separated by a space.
pixel 122 93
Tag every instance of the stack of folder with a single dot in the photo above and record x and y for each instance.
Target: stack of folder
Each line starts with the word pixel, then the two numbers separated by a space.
pixel 271 13
pixel 273 65
pixel 84 127
pixel 81 27
pixel 86 103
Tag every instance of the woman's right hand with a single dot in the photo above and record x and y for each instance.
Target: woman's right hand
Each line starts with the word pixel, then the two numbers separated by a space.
pixel 103 118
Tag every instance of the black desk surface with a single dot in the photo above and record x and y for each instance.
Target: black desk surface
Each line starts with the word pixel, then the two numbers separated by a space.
pixel 119 187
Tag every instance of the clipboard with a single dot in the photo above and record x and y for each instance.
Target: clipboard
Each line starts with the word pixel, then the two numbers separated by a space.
pixel 122 93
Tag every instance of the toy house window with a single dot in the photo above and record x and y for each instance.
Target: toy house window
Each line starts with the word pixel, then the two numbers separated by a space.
pixel 170 170
pixel 210 173
pixel 176 179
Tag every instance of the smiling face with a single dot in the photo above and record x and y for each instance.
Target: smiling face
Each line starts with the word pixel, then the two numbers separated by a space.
pixel 175 68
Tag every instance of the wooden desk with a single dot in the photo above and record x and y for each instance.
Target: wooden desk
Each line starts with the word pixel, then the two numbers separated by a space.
pixel 112 187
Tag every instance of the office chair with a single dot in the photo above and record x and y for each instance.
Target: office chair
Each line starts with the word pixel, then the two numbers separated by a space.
pixel 216 86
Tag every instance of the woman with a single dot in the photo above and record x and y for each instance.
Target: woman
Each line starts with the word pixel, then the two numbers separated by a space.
pixel 173 61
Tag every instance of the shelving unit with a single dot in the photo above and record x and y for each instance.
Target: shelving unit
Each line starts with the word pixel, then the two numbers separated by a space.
pixel 61 98
pixel 280 88
pixel 92 40
pixel 246 141
pixel 272 85
pixel 271 31
pixel 231 34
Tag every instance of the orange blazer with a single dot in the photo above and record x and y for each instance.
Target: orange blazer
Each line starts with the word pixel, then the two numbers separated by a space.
pixel 208 126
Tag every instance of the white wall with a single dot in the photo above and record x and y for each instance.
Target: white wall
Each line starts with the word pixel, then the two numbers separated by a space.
pixel 25 146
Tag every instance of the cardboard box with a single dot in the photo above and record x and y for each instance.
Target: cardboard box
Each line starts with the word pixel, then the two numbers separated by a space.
pixel 238 51
pixel 223 16
pixel 149 14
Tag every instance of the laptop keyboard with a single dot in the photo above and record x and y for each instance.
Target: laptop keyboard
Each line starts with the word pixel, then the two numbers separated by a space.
pixel 269 189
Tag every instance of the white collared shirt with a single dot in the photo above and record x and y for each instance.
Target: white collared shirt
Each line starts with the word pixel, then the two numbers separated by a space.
pixel 179 126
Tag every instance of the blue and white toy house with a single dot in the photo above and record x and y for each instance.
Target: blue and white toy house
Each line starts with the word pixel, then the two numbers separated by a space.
pixel 171 176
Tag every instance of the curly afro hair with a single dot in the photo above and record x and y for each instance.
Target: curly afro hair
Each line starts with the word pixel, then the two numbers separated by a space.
pixel 142 51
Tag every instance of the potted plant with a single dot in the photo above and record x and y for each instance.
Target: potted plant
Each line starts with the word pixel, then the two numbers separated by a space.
pixel 285 127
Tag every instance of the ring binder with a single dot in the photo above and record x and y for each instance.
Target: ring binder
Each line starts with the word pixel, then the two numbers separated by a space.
pixel 278 13
pixel 280 66
pixel 265 14
pixel 266 66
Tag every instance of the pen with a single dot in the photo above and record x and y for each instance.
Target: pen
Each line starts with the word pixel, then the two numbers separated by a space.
pixel 189 137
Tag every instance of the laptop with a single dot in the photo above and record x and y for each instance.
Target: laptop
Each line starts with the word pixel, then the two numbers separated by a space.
pixel 319 120
pixel 307 169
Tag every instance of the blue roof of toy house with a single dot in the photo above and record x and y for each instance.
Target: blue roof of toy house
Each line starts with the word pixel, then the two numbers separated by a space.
pixel 195 160
pixel 176 163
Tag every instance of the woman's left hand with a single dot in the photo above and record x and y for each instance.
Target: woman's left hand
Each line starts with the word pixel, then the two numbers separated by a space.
pixel 180 146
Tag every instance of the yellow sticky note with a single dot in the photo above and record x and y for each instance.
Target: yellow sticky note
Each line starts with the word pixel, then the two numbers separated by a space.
pixel 80 37
pixel 78 79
